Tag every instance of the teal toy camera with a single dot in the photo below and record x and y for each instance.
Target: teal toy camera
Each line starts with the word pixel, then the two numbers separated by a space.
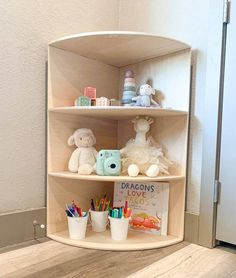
pixel 108 163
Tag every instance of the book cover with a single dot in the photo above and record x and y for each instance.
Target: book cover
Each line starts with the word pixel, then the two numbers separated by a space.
pixel 149 203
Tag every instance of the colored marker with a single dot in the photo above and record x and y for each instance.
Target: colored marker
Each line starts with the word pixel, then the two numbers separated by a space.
pixel 92 205
pixel 126 206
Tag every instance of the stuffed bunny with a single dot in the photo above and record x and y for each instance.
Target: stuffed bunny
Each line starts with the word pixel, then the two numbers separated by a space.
pixel 83 159
pixel 144 98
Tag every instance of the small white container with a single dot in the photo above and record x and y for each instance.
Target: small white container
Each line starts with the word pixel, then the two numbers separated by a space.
pixel 77 227
pixel 99 220
pixel 119 228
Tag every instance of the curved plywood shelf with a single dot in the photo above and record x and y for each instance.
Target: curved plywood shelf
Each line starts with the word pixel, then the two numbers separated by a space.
pixel 103 241
pixel 119 48
pixel 117 112
pixel 100 60
pixel 69 175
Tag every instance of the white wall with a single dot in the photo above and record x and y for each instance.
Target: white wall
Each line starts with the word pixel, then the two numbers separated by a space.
pixel 26 28
pixel 185 20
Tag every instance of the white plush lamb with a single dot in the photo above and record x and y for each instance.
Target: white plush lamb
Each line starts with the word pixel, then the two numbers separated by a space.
pixel 83 159
pixel 144 98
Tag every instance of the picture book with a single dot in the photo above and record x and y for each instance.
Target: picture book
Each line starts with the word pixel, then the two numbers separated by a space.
pixel 149 203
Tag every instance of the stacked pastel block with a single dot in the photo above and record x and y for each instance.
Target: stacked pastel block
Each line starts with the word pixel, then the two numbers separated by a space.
pixel 129 88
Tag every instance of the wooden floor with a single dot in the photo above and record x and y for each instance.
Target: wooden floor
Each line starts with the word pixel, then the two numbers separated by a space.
pixel 52 259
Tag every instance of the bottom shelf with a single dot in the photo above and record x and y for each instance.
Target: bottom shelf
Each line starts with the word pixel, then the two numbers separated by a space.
pixel 103 241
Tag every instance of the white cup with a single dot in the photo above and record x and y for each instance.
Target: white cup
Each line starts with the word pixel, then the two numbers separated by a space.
pixel 119 228
pixel 77 227
pixel 99 220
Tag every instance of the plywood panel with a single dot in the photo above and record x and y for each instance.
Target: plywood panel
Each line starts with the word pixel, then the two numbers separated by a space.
pixel 103 241
pixel 176 208
pixel 119 48
pixel 172 134
pixel 169 75
pixel 70 73
pixel 139 178
pixel 117 112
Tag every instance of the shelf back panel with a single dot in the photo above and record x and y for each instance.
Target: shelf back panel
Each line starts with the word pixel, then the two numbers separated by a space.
pixel 169 75
pixel 69 74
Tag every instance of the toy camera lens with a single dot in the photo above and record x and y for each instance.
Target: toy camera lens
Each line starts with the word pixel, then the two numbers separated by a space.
pixel 113 166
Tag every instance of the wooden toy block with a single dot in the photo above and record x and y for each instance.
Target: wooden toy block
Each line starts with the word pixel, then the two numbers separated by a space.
pixel 115 102
pixel 83 101
pixel 90 92
pixel 102 101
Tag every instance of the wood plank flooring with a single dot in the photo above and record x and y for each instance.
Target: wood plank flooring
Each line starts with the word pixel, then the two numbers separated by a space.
pixel 52 259
pixel 193 261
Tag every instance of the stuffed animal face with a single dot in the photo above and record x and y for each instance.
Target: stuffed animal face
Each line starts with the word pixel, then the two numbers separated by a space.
pixel 82 137
pixel 146 90
pixel 142 125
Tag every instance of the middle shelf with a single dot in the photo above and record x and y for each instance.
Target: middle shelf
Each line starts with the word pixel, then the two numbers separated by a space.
pixel 117 112
pixel 69 175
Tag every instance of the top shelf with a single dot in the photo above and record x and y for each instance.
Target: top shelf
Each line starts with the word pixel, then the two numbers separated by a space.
pixel 117 112
pixel 119 48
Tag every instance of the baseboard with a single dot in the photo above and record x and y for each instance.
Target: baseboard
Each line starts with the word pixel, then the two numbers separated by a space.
pixel 191 227
pixel 18 227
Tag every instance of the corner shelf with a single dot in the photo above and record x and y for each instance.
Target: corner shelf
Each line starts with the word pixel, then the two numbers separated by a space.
pixel 75 62
pixel 103 241
pixel 69 175
pixel 117 112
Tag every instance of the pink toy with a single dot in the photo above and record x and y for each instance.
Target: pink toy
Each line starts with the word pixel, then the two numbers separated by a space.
pixel 90 92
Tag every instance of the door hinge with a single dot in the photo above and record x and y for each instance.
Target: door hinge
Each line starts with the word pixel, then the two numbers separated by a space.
pixel 226 18
pixel 216 191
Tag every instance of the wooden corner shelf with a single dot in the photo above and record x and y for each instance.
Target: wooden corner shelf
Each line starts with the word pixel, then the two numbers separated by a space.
pixel 140 178
pixel 117 112
pixel 75 62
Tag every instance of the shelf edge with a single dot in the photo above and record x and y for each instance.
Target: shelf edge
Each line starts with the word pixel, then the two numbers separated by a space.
pixel 114 178
pixel 116 247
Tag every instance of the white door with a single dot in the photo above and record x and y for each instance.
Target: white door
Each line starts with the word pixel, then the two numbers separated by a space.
pixel 226 211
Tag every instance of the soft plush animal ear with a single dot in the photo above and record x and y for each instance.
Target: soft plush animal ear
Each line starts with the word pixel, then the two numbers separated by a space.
pixel 150 120
pixel 135 120
pixel 71 140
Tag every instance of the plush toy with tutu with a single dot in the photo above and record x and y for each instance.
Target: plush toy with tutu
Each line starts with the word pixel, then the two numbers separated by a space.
pixel 83 159
pixel 143 155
